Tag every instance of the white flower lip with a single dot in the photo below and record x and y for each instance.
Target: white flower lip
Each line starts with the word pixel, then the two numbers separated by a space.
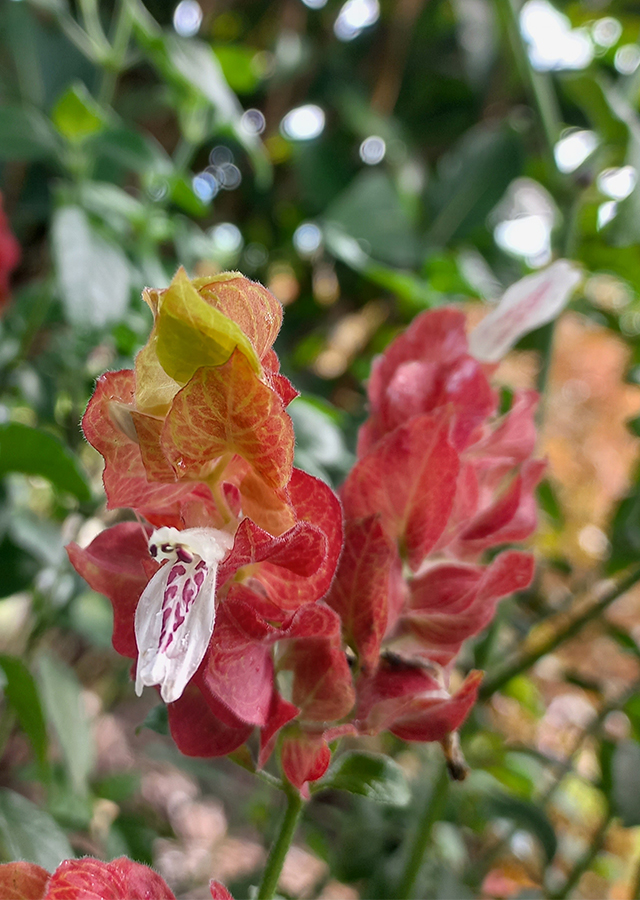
pixel 176 612
pixel 526 305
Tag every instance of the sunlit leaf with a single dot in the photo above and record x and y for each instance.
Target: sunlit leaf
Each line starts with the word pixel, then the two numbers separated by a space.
pixel 94 275
pixel 36 452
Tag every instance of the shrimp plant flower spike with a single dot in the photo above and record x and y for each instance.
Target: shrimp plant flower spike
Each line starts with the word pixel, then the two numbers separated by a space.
pixel 255 599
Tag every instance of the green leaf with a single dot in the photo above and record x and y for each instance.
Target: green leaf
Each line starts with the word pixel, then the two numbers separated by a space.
pixel 549 502
pixel 473 177
pixel 377 777
pixel 625 776
pixel 625 532
pixel 25 134
pixel 77 115
pixel 370 210
pixel 36 452
pixel 416 294
pixel 22 695
pixel 29 833
pixel 528 816
pixel 62 696
pixel 157 720
pixel 94 275
pixel 18 568
pixel 238 67
pixel 132 150
pixel 320 446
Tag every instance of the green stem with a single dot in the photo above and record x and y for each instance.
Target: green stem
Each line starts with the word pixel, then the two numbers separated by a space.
pixel 115 62
pixel 282 843
pixel 524 661
pixel 539 85
pixel 430 815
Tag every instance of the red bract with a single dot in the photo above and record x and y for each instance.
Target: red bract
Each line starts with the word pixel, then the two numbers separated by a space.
pixel 9 257
pixel 83 879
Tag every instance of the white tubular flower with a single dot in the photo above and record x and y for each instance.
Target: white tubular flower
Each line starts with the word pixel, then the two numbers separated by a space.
pixel 176 613
pixel 526 305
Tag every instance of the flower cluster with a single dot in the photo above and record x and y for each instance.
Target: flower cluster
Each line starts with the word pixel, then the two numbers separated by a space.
pixel 227 591
pixel 89 879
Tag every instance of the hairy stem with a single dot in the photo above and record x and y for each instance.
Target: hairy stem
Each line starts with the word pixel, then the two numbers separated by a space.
pixel 573 626
pixel 432 810
pixel 281 845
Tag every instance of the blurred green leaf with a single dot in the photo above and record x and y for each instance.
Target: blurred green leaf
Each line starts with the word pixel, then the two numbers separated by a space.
pixel 370 211
pixel 25 134
pixel 410 290
pixel 549 502
pixel 22 694
pixel 62 697
pixel 94 275
pixel 320 446
pixel 91 615
pixel 77 115
pixel 379 778
pixel 624 534
pixel 29 833
pixel 472 178
pixel 157 719
pixel 36 452
pixel 17 567
pixel 238 67
pixel 528 816
pixel 625 776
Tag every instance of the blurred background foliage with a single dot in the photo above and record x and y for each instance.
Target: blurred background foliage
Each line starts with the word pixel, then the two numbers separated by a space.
pixel 365 160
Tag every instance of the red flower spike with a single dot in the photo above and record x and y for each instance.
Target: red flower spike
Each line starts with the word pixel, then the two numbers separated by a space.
pixel 219 891
pixel 227 409
pixel 360 590
pixel 117 564
pixel 91 879
pixel 410 479
pixel 198 732
pixel 22 881
pixel 304 757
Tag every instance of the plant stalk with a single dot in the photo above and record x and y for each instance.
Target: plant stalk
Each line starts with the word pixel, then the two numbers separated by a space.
pixel 538 84
pixel 430 815
pixel 290 820
pixel 524 661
